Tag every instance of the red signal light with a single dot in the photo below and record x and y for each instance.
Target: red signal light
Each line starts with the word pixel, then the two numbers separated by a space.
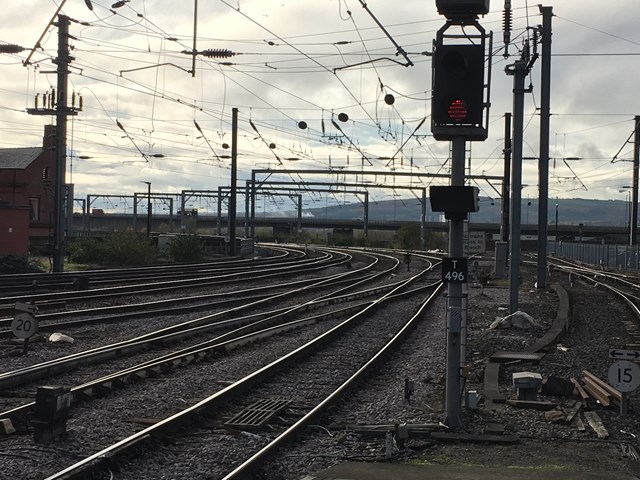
pixel 457 111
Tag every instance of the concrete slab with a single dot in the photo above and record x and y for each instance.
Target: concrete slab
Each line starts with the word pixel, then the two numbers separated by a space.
pixel 385 471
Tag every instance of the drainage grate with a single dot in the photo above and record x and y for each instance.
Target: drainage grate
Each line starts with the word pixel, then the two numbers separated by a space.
pixel 258 414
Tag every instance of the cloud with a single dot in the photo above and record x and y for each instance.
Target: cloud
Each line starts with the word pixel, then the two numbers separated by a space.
pixel 289 65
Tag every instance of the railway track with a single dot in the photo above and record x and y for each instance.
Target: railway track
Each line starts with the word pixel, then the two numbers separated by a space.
pixel 39 283
pixel 333 349
pixel 624 285
pixel 322 310
pixel 150 285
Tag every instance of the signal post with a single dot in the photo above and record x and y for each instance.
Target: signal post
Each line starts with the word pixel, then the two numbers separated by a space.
pixel 459 113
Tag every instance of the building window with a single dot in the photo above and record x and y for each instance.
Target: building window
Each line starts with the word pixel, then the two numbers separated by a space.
pixel 34 209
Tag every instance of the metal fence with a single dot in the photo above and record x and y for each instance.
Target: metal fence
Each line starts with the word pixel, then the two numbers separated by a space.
pixel 618 257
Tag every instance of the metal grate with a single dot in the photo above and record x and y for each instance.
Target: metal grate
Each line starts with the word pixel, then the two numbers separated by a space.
pixel 258 414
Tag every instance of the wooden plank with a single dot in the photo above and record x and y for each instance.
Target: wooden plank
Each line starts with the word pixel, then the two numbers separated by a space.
pixel 503 357
pixel 604 385
pixel 578 423
pixel 584 395
pixel 474 438
pixel 596 392
pixel 596 424
pixel 572 412
pixel 422 430
pixel 491 390
pixel 532 404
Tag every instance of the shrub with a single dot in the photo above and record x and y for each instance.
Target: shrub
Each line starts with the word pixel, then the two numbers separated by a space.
pixel 185 248
pixel 13 263
pixel 129 248
pixel 120 248
pixel 87 250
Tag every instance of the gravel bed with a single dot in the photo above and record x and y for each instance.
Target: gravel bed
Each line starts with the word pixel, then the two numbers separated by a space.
pixel 99 334
pixel 596 325
pixel 306 384
pixel 146 400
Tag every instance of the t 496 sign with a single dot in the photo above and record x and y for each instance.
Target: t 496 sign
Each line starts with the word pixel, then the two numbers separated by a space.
pixel 454 270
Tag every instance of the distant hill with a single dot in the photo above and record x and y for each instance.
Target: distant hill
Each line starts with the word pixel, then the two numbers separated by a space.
pixel 570 211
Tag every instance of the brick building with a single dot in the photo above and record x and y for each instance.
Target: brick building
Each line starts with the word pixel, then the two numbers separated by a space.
pixel 27 181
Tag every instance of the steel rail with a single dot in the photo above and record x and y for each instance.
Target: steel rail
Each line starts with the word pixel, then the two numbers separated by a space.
pixel 25 281
pixel 165 306
pixel 126 446
pixel 169 285
pixel 201 351
pixel 245 470
pixel 169 334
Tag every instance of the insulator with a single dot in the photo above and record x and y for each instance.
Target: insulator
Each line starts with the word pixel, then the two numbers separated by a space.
pixel 217 53
pixel 73 100
pixel 10 48
pixel 526 51
pixel 507 17
pixel 80 102
pixel 36 100
pixel 536 40
pixel 506 26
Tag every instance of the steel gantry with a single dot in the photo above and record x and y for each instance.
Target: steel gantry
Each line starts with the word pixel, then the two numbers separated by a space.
pixel 307 185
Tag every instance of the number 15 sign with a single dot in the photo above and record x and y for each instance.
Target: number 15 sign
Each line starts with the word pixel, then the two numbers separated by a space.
pixel 624 375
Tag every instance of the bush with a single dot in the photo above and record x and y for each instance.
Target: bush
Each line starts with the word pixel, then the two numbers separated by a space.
pixel 185 248
pixel 129 248
pixel 13 263
pixel 87 250
pixel 120 248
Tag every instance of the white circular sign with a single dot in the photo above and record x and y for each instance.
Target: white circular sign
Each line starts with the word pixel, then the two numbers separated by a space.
pixel 24 325
pixel 624 375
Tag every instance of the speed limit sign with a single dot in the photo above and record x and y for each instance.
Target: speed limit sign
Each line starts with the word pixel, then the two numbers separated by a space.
pixel 624 375
pixel 24 325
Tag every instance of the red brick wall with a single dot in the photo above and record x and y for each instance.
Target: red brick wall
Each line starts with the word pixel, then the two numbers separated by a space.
pixel 14 230
pixel 28 188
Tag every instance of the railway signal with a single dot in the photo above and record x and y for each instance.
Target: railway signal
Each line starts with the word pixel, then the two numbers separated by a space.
pixel 458 105
pixel 458 113
pixel 458 86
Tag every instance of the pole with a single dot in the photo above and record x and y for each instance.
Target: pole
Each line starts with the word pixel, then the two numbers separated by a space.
pixel 183 214
pixel 627 213
pixel 299 218
pixel 148 208
pixel 543 161
pixel 556 243
pixel 365 219
pixel 519 72
pixel 454 311
pixel 253 205
pixel 634 193
pixel 194 51
pixel 423 220
pixel 504 223
pixel 247 196
pixel 234 182
pixel 61 143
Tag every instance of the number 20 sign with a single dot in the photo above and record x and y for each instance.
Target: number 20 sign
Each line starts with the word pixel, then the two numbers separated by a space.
pixel 454 270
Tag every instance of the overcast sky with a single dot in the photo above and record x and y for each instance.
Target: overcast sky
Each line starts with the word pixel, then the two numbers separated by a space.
pixel 130 70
